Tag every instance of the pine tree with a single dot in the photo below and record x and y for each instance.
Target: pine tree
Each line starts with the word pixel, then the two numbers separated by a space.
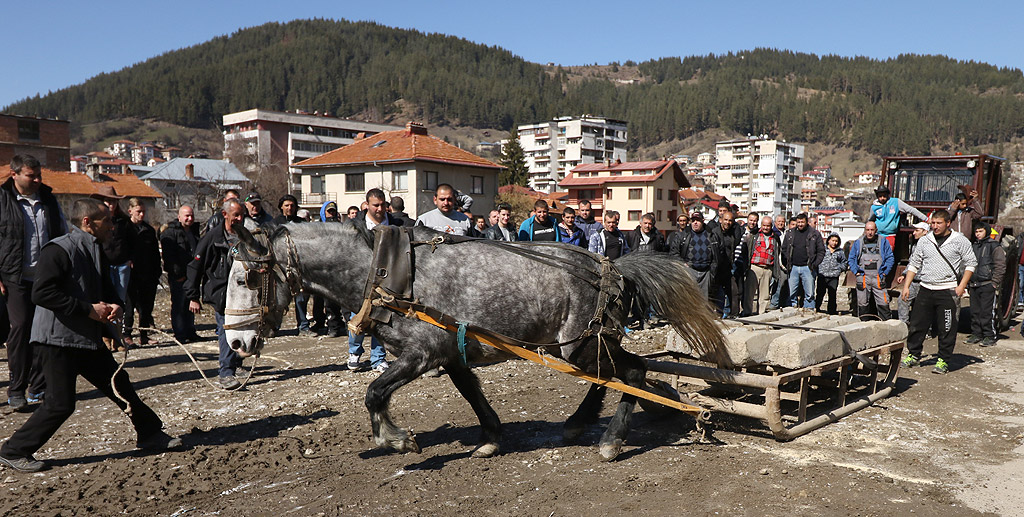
pixel 514 162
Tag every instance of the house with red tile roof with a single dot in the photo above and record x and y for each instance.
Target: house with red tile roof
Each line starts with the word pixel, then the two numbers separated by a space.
pixel 409 163
pixel 69 186
pixel 630 188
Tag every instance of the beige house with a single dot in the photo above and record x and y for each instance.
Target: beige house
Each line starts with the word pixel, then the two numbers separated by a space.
pixel 630 188
pixel 407 163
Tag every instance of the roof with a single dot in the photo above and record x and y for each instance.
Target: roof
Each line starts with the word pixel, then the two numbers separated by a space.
pixel 100 154
pixel 77 183
pixel 212 171
pixel 404 145
pixel 693 194
pixel 657 168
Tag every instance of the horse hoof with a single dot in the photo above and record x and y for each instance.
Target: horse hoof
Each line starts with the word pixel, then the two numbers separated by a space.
pixel 408 445
pixel 486 450
pixel 610 451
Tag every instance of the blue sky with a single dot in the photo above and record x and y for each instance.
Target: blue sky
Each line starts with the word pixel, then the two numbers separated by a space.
pixel 51 45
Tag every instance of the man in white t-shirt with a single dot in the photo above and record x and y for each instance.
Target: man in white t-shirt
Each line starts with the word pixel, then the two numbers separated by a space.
pixel 445 218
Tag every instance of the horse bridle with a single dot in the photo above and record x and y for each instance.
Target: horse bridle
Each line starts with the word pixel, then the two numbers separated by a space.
pixel 260 271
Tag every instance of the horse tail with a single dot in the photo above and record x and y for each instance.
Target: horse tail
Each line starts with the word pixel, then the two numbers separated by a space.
pixel 664 283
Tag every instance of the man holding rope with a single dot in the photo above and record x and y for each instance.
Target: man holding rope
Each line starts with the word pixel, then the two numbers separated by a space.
pixel 71 318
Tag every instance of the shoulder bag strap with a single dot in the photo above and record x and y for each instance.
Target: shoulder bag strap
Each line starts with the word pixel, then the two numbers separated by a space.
pixel 948 263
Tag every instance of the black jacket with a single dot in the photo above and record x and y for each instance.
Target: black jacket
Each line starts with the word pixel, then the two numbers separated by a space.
pixel 681 246
pixel 118 246
pixel 657 242
pixel 494 233
pixel 179 247
pixel 72 275
pixel 728 240
pixel 815 249
pixel 145 254
pixel 12 228
pixel 208 272
pixel 282 219
pixel 991 263
pixel 402 219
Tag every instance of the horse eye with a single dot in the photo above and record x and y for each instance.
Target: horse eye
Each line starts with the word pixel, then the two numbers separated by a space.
pixel 241 282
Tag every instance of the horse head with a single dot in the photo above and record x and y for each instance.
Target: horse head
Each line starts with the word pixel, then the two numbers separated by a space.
pixel 258 292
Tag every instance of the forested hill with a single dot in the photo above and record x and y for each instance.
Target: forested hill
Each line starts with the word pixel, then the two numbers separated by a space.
pixel 909 104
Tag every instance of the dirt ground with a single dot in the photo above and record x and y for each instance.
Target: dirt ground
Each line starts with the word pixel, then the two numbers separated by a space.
pixel 296 442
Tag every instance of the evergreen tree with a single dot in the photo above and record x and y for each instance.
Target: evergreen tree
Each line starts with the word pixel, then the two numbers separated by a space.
pixel 514 162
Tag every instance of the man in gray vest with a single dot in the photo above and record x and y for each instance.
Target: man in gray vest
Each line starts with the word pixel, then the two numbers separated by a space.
pixel 76 306
pixel 871 259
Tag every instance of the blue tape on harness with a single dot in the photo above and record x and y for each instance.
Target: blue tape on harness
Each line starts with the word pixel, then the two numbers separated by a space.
pixel 462 342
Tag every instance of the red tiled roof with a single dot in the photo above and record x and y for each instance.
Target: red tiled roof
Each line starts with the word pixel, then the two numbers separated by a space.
pixel 657 169
pixel 100 154
pixel 76 183
pixel 398 146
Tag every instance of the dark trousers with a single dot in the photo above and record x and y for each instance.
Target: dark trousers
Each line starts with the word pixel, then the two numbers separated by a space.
pixel 142 295
pixel 182 320
pixel 229 360
pixel 983 311
pixel 62 366
pixel 938 307
pixel 827 285
pixel 735 299
pixel 24 368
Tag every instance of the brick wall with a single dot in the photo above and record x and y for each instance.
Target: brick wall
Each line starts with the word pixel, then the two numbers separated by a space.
pixel 53 149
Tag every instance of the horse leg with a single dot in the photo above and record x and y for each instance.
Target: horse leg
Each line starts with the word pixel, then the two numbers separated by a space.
pixel 406 368
pixel 610 357
pixel 585 415
pixel 469 386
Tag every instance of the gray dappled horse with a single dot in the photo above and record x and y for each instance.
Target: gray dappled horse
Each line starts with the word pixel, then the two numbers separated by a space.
pixel 486 285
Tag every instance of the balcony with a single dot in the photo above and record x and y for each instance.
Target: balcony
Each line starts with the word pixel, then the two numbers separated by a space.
pixel 318 198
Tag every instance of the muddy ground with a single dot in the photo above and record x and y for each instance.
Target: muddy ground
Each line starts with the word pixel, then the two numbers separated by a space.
pixel 296 442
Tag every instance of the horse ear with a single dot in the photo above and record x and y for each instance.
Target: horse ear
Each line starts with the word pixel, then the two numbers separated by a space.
pixel 246 237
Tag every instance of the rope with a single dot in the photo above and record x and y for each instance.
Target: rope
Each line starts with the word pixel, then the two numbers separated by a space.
pixel 124 359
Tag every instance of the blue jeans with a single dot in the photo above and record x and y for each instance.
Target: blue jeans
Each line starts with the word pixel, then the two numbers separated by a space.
pixel 1020 284
pixel 300 311
pixel 801 275
pixel 355 346
pixel 182 320
pixel 119 276
pixel 229 359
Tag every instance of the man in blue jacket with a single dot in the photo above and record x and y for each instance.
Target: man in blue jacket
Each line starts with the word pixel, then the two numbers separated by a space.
pixel 886 211
pixel 871 259
pixel 572 234
pixel 540 227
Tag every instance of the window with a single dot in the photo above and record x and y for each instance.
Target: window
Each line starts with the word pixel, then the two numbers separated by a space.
pixel 316 184
pixel 659 216
pixel 608 193
pixel 658 196
pixel 400 180
pixel 354 182
pixel 478 185
pixel 431 181
pixel 28 130
pixel 635 193
pixel 634 215
pixel 673 195
pixel 587 194
pixel 315 147
pixel 672 214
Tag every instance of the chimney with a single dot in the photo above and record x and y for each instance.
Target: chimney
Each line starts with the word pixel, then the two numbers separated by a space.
pixel 190 171
pixel 92 170
pixel 124 168
pixel 415 128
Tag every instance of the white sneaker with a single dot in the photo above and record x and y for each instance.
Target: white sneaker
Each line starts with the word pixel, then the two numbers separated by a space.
pixel 381 366
pixel 353 362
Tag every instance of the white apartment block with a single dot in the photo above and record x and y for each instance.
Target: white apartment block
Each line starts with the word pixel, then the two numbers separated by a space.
pixel 554 148
pixel 280 139
pixel 760 175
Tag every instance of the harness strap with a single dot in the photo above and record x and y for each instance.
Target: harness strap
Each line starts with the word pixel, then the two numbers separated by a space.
pixel 461 336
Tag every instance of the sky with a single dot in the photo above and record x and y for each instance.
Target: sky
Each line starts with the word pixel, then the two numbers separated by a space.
pixel 55 44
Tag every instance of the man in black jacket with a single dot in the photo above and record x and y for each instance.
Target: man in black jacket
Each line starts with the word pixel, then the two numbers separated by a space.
pixel 802 252
pixel 207 279
pixel 289 206
pixel 217 220
pixel 29 217
pixel 398 213
pixel 700 249
pixel 77 304
pixel 730 276
pixel 646 236
pixel 179 248
pixel 984 285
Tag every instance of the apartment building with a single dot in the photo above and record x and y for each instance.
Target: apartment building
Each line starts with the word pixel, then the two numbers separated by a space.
pixel 264 139
pixel 630 188
pixel 555 147
pixel 759 174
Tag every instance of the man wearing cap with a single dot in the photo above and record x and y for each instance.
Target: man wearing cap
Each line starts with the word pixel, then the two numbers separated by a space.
pixel 700 250
pixel 903 306
pixel 254 207
pixel 117 248
pixel 886 212
pixel 30 216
